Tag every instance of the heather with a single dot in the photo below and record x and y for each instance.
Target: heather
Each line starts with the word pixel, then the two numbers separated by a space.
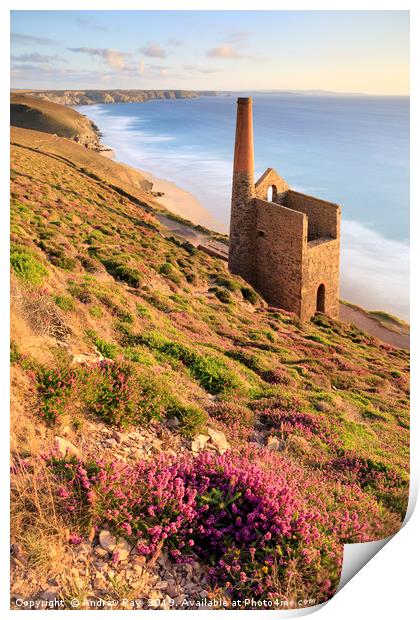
pixel 128 345
pixel 253 519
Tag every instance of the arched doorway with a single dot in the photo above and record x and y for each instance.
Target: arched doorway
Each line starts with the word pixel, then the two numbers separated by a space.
pixel 320 298
pixel 272 193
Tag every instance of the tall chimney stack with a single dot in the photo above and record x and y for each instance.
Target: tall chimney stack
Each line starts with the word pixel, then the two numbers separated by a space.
pixel 242 215
pixel 244 140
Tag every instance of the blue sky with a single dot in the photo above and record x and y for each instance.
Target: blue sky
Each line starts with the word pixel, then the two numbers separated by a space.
pixel 345 51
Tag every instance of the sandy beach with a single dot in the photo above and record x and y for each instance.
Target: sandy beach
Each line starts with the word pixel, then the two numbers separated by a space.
pixel 175 199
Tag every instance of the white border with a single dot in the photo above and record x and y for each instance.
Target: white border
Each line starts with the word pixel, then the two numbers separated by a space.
pixel 387 586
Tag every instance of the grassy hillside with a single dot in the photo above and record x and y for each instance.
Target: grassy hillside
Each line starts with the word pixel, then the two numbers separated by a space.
pixel 228 448
pixel 34 113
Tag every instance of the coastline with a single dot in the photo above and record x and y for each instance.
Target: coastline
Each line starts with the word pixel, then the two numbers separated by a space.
pixel 174 198
pixel 184 204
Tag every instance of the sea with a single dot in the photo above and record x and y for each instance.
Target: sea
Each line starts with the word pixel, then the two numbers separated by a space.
pixel 353 150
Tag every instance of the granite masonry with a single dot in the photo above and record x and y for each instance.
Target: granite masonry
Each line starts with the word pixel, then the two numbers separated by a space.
pixel 286 244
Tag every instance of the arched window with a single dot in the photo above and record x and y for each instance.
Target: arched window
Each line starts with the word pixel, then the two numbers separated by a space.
pixel 272 193
pixel 320 298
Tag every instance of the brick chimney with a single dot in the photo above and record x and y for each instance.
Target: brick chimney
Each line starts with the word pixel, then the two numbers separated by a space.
pixel 242 216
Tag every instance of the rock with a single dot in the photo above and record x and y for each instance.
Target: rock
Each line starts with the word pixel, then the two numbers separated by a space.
pixel 64 446
pixel 65 430
pixel 138 560
pixel 119 437
pixel 86 358
pixel 123 548
pixel 273 443
pixel 19 553
pixel 50 595
pixel 107 540
pixel 111 443
pixel 172 422
pixel 161 585
pixel 199 442
pixel 100 551
pixel 218 440
pixel 173 589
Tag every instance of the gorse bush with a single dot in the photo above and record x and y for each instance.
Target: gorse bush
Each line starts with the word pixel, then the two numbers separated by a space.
pixel 212 374
pixel 168 270
pixel 64 302
pixel 249 295
pixel 26 266
pixel 122 272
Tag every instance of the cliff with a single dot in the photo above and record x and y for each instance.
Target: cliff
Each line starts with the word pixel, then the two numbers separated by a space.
pixel 88 97
pixel 42 115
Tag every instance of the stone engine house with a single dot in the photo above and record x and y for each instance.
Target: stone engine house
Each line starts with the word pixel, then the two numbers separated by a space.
pixel 286 244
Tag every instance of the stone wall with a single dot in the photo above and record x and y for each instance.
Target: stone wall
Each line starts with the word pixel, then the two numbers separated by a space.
pixel 268 179
pixel 321 265
pixel 322 215
pixel 280 239
pixel 242 258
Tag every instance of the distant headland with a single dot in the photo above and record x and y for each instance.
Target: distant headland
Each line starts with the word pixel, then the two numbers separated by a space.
pixel 90 97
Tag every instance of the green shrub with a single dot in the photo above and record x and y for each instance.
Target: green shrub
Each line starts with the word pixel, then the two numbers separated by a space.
pixel 64 302
pixel 26 266
pixel 80 292
pixel 229 284
pixel 191 417
pixel 223 295
pixel 250 360
pixel 249 294
pixel 210 372
pixel 143 311
pixel 96 312
pixel 64 262
pixel 121 272
pixel 168 270
pixel 89 264
pixel 15 356
pixel 107 349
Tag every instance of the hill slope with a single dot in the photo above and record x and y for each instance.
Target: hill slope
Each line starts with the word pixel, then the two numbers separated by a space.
pixel 175 411
pixel 42 115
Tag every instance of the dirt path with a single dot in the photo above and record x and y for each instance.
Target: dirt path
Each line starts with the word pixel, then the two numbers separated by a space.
pixel 351 315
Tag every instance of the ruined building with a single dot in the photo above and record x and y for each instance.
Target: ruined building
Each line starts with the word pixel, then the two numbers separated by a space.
pixel 286 244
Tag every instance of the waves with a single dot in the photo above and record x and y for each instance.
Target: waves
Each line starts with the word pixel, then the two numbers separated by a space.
pixel 187 143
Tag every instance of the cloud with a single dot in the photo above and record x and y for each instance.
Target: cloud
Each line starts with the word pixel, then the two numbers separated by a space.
pixel 225 51
pixel 30 40
pixel 154 50
pixel 89 22
pixel 36 58
pixel 140 68
pixel 238 36
pixel 195 69
pixel 113 58
pixel 175 41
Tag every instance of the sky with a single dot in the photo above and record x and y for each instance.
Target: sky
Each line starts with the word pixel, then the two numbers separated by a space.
pixel 341 51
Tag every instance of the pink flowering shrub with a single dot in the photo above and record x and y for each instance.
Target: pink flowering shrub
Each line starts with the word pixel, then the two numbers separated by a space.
pixel 54 388
pixel 249 516
pixel 109 389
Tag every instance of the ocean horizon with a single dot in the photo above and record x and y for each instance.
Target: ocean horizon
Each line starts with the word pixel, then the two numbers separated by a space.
pixel 353 150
